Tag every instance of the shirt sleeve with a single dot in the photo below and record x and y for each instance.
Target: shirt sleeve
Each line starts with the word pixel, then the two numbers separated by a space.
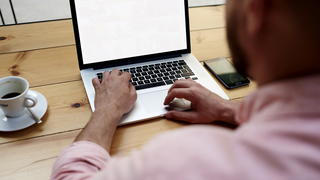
pixel 80 161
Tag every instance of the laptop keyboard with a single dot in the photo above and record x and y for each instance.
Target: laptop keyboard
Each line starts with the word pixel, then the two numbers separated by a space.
pixel 159 74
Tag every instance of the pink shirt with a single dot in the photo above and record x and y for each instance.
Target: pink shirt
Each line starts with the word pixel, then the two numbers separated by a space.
pixel 279 138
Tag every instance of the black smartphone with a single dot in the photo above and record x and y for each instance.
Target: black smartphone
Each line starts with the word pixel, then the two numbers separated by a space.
pixel 224 71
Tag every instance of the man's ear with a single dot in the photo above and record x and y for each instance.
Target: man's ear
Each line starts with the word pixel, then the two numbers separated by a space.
pixel 256 14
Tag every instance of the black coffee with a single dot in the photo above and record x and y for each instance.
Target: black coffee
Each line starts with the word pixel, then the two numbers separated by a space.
pixel 10 95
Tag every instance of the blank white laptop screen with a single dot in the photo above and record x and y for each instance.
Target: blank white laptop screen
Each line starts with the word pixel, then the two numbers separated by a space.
pixel 117 29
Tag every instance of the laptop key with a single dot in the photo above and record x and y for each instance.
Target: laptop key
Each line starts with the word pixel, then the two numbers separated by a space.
pixel 165 78
pixel 141 78
pixel 148 77
pixel 147 81
pixel 171 77
pixel 140 82
pixel 134 79
pixel 184 71
pixel 178 72
pixel 144 86
pixel 169 82
pixel 187 74
pixel 153 80
pixel 159 79
pixel 180 67
pixel 194 78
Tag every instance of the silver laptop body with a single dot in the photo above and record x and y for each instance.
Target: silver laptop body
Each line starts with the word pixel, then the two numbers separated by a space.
pixel 128 34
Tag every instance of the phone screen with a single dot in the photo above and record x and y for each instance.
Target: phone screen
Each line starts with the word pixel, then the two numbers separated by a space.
pixel 226 73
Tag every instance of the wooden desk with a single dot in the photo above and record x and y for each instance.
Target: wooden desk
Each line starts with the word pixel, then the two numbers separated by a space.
pixel 45 54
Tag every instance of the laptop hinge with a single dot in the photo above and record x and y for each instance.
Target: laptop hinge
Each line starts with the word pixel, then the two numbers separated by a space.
pixel 121 63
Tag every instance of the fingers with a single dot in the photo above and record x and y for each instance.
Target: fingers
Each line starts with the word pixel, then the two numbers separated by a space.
pixel 115 72
pixel 126 76
pixel 105 76
pixel 182 116
pixel 133 91
pixel 95 83
pixel 183 83
pixel 185 93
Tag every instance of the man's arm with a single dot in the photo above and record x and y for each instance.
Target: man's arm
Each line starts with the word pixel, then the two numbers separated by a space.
pixel 115 96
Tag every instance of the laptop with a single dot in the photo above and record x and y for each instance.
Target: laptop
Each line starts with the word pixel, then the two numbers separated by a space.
pixel 148 38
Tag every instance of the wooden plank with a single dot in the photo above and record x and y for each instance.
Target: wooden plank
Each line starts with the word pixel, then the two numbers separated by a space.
pixel 56 65
pixel 207 17
pixel 36 36
pixel 208 44
pixel 60 33
pixel 33 158
pixel 42 67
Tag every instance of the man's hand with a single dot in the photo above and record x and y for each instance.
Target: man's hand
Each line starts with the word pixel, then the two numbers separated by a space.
pixel 115 96
pixel 114 92
pixel 206 107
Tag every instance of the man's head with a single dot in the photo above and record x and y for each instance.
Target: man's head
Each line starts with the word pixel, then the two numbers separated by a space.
pixel 272 40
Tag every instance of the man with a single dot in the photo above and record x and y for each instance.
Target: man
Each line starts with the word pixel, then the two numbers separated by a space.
pixel 274 42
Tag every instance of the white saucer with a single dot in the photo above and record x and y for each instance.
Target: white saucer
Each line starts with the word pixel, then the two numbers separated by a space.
pixel 8 124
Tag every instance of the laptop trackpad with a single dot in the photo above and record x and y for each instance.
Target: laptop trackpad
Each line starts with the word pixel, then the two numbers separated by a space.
pixel 148 105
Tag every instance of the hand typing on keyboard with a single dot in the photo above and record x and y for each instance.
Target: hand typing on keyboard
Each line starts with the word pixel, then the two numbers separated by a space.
pixel 114 92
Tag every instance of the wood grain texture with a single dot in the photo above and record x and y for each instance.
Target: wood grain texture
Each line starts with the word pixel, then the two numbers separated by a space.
pixel 207 17
pixel 36 36
pixel 60 33
pixel 211 43
pixel 41 67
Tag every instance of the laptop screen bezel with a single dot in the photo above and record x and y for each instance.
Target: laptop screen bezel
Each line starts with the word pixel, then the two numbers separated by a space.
pixel 130 60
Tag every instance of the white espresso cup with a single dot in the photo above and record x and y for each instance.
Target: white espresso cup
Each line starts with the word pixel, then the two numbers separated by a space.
pixel 15 96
